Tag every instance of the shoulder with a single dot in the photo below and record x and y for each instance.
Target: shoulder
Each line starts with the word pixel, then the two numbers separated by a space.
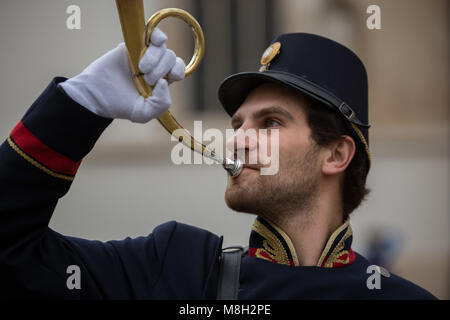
pixel 183 235
pixel 406 289
pixel 185 242
pixel 383 284
pixel 170 239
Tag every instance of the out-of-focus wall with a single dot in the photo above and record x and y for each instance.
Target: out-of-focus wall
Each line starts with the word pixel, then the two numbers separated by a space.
pixel 128 185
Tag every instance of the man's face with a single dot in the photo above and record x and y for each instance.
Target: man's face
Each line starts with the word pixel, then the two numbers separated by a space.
pixel 294 186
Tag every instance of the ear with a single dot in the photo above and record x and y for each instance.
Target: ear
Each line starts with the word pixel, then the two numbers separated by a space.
pixel 338 156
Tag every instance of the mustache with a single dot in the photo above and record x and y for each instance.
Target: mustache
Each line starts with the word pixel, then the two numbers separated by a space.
pixel 252 166
pixel 250 160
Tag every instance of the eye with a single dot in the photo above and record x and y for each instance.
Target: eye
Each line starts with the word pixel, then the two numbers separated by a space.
pixel 272 123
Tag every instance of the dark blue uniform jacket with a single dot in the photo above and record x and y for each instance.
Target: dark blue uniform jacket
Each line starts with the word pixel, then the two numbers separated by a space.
pixel 38 162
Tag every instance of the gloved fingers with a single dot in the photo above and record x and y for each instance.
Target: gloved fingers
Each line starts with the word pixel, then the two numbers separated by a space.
pixel 146 109
pixel 177 72
pixel 158 38
pixel 160 98
pixel 154 52
pixel 163 67
pixel 151 58
pixel 137 113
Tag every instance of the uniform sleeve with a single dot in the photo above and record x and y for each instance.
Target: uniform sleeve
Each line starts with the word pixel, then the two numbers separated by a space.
pixel 38 162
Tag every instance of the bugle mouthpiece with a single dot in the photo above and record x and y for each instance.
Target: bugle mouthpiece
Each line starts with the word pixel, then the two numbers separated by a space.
pixel 233 167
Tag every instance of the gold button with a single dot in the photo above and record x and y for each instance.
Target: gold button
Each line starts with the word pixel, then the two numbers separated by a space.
pixel 270 53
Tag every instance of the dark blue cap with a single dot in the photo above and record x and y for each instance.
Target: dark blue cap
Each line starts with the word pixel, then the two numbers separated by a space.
pixel 316 66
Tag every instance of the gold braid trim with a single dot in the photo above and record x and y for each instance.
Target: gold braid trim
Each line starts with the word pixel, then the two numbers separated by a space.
pixel 37 164
pixel 332 238
pixel 288 242
pixel 363 140
pixel 272 245
pixel 338 251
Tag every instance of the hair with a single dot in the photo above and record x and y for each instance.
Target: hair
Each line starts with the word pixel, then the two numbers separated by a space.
pixel 326 127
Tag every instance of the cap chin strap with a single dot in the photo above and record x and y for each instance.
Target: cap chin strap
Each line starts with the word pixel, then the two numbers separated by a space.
pixel 319 93
pixel 348 112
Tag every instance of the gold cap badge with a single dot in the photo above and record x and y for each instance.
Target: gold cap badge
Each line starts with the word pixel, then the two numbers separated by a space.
pixel 269 54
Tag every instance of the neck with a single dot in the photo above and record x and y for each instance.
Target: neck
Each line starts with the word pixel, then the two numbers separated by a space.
pixel 310 231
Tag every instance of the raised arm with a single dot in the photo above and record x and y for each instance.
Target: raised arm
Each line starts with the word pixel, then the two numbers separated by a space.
pixel 39 160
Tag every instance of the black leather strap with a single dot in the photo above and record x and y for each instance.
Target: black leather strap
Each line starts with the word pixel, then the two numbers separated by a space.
pixel 229 270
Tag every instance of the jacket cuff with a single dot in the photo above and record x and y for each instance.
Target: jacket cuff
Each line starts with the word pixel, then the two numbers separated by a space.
pixel 56 132
pixel 62 124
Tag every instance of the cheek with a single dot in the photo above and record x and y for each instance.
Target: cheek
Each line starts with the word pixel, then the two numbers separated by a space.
pixel 269 145
pixel 273 148
pixel 283 147
pixel 292 148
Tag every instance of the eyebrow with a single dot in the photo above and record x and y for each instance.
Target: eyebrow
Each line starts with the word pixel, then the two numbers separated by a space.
pixel 264 112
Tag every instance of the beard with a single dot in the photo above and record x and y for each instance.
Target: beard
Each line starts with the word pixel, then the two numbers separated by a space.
pixel 292 190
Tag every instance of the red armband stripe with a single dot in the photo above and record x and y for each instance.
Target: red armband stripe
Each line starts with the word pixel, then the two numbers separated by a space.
pixel 41 153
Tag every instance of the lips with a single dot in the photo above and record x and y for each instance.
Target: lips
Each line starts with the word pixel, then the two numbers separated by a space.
pixel 250 166
pixel 246 168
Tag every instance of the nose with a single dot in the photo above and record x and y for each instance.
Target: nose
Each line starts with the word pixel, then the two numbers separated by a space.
pixel 243 141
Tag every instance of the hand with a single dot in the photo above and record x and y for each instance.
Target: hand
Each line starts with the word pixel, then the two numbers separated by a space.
pixel 107 89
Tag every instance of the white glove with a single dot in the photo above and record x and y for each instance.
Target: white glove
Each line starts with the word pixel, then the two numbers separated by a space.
pixel 107 89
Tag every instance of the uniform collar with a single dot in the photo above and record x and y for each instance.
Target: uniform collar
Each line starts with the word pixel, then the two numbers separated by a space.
pixel 269 242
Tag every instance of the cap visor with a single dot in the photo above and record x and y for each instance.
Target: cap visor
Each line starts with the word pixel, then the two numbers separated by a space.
pixel 234 89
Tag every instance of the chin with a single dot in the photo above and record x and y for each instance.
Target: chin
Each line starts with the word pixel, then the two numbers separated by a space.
pixel 243 196
pixel 239 204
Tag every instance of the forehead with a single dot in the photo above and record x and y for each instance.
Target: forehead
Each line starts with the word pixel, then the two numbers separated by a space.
pixel 269 95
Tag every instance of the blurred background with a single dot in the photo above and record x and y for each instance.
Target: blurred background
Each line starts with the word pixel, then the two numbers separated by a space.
pixel 128 185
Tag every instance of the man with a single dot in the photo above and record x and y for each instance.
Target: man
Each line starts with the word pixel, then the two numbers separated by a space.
pixel 311 89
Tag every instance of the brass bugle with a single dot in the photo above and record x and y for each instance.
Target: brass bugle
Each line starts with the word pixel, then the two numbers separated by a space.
pixel 136 34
